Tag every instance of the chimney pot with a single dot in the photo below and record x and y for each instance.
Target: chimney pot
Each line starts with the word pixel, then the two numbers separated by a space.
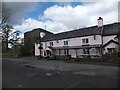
pixel 100 22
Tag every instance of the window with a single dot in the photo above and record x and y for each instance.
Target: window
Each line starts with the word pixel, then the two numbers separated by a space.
pixel 65 42
pixel 94 37
pixel 86 51
pixel 66 52
pixel 57 41
pixel 110 50
pixel 85 40
pixel 51 43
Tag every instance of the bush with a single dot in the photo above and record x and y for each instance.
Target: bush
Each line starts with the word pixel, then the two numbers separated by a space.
pixel 15 52
pixel 24 51
pixel 111 57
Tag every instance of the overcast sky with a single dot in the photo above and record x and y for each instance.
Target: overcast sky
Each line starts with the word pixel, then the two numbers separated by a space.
pixel 61 16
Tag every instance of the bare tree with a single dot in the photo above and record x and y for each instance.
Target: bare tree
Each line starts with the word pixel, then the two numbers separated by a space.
pixel 5 27
pixel 15 40
pixel 5 14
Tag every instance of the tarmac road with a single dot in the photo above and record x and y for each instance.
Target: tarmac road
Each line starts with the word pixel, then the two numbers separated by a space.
pixel 56 74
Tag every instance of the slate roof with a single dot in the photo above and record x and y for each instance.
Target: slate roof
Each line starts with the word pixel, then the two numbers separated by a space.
pixel 110 29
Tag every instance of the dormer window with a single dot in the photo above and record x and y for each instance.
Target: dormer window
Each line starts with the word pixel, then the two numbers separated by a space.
pixel 57 41
pixel 94 37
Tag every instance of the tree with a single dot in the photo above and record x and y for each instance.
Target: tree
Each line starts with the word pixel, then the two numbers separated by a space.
pixel 15 40
pixel 6 29
pixel 5 14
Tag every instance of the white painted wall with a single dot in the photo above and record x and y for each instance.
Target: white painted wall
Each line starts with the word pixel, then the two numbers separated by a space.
pixel 77 41
pixel 37 51
pixel 72 52
pixel 108 38
pixel 111 45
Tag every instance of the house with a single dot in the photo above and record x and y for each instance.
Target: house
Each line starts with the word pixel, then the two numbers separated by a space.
pixel 30 38
pixel 91 41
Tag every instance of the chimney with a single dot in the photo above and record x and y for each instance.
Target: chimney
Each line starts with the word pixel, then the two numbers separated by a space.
pixel 100 22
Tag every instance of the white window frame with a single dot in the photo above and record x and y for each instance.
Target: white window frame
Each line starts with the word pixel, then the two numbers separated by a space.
pixel 65 43
pixel 85 40
pixel 51 44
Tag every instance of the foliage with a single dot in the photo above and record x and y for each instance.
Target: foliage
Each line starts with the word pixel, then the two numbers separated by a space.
pixel 12 52
pixel 29 46
pixel 118 52
pixel 24 51
pixel 6 30
pixel 18 51
pixel 111 57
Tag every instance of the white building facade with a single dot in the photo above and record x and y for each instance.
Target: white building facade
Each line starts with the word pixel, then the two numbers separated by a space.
pixel 91 41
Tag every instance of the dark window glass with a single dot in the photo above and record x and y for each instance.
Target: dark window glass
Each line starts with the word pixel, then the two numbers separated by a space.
pixel 65 42
pixel 83 40
pixel 51 43
pixel 110 50
pixel 87 40
pixel 57 41
pixel 66 52
pixel 86 51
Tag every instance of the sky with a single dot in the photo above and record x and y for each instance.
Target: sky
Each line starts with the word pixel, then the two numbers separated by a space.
pixel 59 16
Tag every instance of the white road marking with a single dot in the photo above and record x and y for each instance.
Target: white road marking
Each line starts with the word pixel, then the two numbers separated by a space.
pixel 73 85
pixel 48 74
pixel 91 73
pixel 20 85
pixel 30 75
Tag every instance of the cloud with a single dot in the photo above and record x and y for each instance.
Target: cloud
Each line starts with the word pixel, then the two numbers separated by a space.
pixel 64 18
pixel 17 10
pixel 30 24
pixel 86 15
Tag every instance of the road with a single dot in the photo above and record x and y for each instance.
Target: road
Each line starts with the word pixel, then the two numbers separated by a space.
pixel 19 74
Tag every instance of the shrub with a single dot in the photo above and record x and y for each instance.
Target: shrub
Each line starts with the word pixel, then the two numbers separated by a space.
pixel 24 51
pixel 15 52
pixel 111 57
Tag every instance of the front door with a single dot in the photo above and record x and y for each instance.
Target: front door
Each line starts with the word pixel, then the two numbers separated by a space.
pixel 48 52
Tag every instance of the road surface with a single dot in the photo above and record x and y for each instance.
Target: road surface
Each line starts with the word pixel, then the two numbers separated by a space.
pixel 56 74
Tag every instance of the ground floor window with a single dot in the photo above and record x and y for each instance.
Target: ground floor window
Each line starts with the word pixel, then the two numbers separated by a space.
pixel 66 52
pixel 110 50
pixel 86 51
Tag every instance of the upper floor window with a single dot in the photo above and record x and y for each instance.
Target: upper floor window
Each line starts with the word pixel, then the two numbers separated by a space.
pixel 85 40
pixel 94 36
pixel 65 42
pixel 57 41
pixel 51 43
